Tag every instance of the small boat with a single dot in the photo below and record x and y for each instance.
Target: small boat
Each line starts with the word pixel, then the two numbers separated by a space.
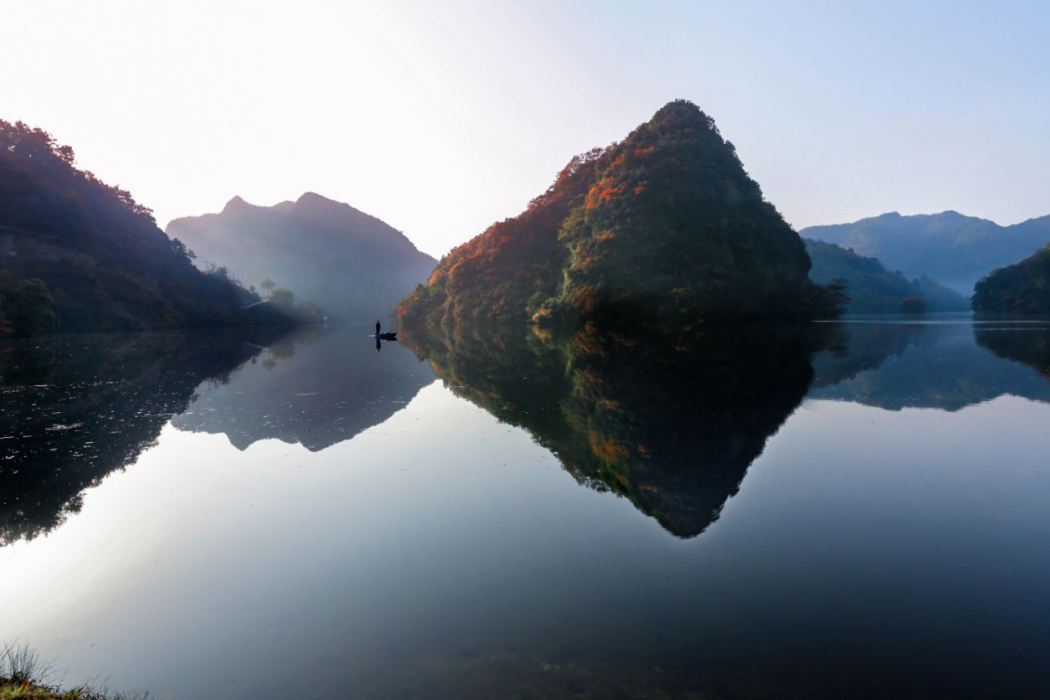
pixel 384 336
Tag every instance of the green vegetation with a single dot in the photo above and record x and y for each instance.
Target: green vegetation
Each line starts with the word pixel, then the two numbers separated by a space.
pixel 664 227
pixel 958 250
pixel 875 290
pixel 77 254
pixel 1022 289
pixel 24 676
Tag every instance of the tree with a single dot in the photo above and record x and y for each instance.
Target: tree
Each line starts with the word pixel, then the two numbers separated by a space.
pixel 913 305
pixel 282 298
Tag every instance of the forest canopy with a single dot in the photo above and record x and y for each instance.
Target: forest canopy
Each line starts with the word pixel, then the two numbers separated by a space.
pixel 664 227
pixel 77 254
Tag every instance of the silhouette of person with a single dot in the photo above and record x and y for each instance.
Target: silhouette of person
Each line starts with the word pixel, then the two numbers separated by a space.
pixel 377 327
pixel 379 344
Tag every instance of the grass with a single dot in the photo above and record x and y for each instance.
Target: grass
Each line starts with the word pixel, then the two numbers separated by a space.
pixel 25 676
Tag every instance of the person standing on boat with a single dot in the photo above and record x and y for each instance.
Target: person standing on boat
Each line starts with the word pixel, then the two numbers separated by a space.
pixel 377 328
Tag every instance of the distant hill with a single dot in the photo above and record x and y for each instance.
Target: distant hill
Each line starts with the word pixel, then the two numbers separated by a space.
pixel 350 264
pixel 77 254
pixel 958 250
pixel 1019 289
pixel 665 226
pixel 874 289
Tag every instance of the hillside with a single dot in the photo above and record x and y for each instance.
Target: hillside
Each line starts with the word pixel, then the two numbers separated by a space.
pixel 77 254
pixel 665 226
pixel 352 265
pixel 874 289
pixel 958 250
pixel 1019 289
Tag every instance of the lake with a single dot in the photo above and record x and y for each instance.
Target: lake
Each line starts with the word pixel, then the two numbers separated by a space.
pixel 858 509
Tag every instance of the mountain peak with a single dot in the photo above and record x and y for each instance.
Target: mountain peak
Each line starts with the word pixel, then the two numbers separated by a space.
pixel 314 198
pixel 236 203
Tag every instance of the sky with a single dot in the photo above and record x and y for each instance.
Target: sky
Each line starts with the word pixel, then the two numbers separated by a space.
pixel 443 117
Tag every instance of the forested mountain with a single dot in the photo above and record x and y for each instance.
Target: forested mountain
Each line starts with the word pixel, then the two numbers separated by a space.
pixel 1019 289
pixel 874 289
pixel 352 265
pixel 664 226
pixel 77 254
pixel 955 249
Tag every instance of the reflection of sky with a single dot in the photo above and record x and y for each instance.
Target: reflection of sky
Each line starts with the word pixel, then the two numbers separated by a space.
pixel 441 531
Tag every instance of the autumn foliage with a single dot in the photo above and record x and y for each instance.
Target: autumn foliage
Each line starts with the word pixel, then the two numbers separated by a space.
pixel 664 226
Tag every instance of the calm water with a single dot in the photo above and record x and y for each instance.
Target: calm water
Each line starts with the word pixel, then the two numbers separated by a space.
pixel 859 510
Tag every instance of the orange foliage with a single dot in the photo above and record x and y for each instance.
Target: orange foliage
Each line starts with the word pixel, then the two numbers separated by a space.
pixel 585 299
pixel 603 191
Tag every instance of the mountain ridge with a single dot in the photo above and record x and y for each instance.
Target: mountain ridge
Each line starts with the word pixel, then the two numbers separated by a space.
pixel 348 262
pixel 954 248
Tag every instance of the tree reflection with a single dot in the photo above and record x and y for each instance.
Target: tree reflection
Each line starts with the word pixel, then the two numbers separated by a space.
pixel 75 408
pixel 939 365
pixel 670 425
pixel 1028 344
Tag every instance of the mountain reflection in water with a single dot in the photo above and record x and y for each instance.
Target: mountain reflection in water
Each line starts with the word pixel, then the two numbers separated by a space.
pixel 806 531
pixel 74 408
pixel 316 388
pixel 931 365
pixel 671 428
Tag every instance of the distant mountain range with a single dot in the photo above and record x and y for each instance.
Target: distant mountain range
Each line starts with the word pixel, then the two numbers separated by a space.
pixel 352 265
pixel 664 228
pixel 77 254
pixel 873 289
pixel 954 249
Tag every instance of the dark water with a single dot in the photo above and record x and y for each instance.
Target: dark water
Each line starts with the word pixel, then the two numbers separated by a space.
pixel 849 510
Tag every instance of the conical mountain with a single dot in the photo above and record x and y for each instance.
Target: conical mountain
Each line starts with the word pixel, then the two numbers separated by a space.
pixel 352 265
pixel 664 226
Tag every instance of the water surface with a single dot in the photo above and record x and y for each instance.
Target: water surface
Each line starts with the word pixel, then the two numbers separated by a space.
pixel 844 510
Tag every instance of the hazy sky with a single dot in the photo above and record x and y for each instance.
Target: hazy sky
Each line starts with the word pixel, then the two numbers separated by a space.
pixel 442 117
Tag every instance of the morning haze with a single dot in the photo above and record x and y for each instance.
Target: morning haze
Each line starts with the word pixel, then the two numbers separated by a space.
pixel 524 350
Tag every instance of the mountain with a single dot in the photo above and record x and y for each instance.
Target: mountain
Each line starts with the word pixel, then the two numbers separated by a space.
pixel 664 226
pixel 1019 289
pixel 874 289
pixel 77 254
pixel 958 250
pixel 352 265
